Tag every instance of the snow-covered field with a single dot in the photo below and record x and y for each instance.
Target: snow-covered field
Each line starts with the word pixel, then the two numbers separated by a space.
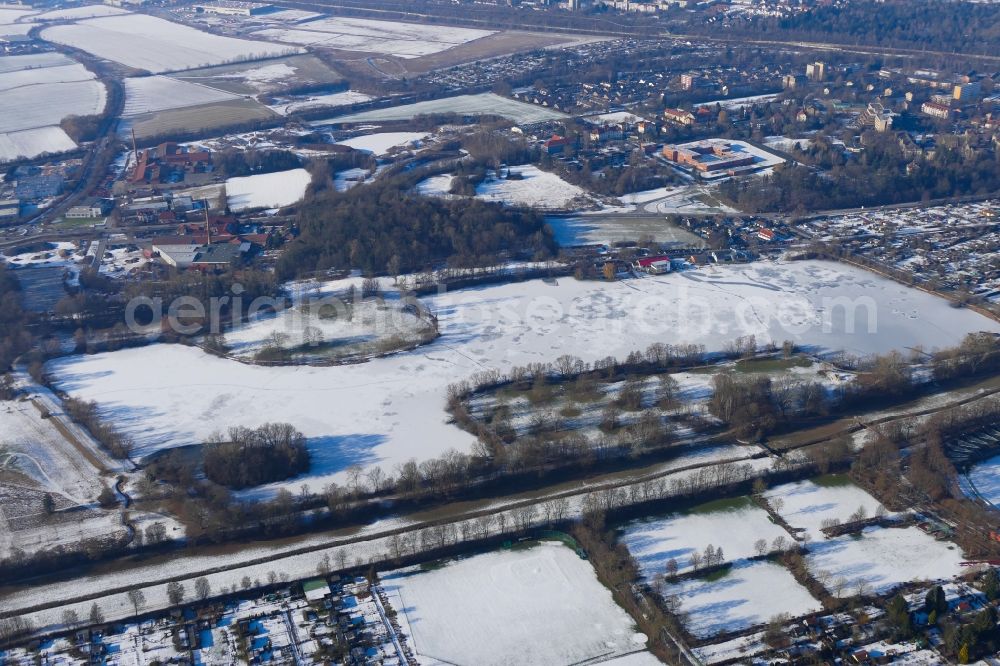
pixel 81 12
pixel 267 190
pixel 156 45
pixel 34 447
pixel 147 94
pixel 36 92
pixel 750 594
pixel 655 541
pixel 381 143
pixel 348 178
pixel 469 105
pixel 404 40
pixel 786 143
pixel 540 606
pixel 806 504
pixel 882 559
pixel 167 395
pixel 535 188
pixel 32 142
pixel 436 186
pixel 690 199
pixel 598 227
pixel 344 98
pixel 985 476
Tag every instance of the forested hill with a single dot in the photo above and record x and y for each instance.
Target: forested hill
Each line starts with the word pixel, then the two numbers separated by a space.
pixel 383 229
pixel 938 25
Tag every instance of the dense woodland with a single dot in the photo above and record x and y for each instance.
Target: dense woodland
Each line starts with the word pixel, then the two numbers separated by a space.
pixel 250 457
pixel 877 176
pixel 244 163
pixel 382 229
pixel 916 24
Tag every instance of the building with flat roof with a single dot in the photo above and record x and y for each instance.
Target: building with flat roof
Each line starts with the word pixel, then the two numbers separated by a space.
pixel 707 157
pixel 9 210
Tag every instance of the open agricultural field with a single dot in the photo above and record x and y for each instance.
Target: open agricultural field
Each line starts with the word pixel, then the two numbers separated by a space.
pixel 155 45
pixel 191 394
pixel 487 104
pixel 541 605
pixel 36 93
pixel 201 118
pixel 267 190
pixel 403 40
pixel 270 76
pixel 150 94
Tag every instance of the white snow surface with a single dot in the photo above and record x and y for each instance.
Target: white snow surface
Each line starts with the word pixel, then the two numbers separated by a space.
pixel 806 504
pixel 316 101
pixel 391 409
pixel 147 94
pixel 157 45
pixel 884 558
pixel 750 594
pixel 36 92
pixel 536 188
pixel 470 105
pixel 985 477
pixel 539 606
pixel 655 541
pixel 267 190
pixel 403 40
pixel 382 142
pixel 81 12
pixel 32 142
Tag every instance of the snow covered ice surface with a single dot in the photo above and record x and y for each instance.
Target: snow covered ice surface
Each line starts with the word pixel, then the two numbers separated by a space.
pixel 537 606
pixel 267 190
pixel 169 395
